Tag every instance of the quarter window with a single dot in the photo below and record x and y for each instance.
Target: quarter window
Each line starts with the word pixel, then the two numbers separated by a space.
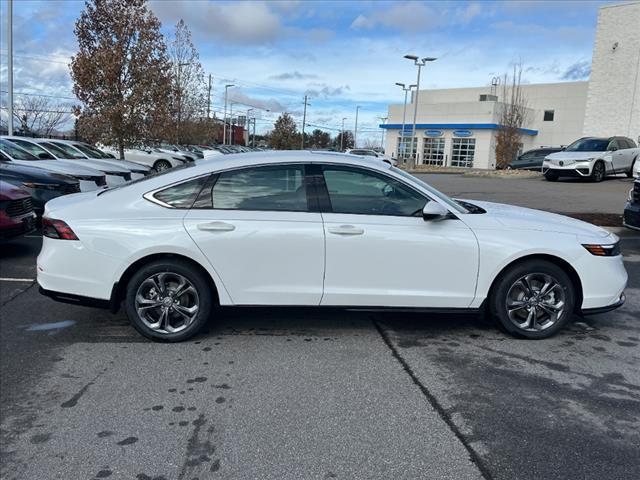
pixel 182 195
pixel 363 192
pixel 275 188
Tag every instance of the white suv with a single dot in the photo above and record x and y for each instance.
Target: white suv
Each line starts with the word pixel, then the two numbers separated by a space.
pixel 592 157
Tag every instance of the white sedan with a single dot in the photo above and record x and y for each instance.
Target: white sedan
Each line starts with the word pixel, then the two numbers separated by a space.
pixel 319 229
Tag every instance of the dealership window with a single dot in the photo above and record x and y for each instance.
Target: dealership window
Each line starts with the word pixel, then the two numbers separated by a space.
pixel 404 147
pixel 433 151
pixel 462 152
pixel 548 115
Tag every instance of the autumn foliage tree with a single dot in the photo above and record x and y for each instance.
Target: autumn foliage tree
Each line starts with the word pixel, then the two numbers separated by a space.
pixel 121 72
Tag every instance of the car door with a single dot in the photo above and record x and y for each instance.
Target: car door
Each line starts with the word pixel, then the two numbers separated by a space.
pixel 380 251
pixel 258 228
pixel 620 160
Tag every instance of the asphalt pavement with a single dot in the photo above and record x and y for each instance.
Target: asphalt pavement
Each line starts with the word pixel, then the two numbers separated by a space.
pixel 312 393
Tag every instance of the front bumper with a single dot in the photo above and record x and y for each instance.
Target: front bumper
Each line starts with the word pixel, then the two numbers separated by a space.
pixel 576 170
pixel 12 227
pixel 631 218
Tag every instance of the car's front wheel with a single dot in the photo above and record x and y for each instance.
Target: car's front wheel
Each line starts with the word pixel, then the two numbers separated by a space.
pixel 161 165
pixel 597 174
pixel 168 300
pixel 533 299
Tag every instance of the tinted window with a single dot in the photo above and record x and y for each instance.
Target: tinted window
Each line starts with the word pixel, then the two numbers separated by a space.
pixel 15 152
pixel 279 188
pixel 589 145
pixel 34 149
pixel 631 143
pixel 368 193
pixel 69 151
pixel 181 195
pixel 548 115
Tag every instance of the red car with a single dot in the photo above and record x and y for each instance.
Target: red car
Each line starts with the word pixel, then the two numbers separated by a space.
pixel 16 212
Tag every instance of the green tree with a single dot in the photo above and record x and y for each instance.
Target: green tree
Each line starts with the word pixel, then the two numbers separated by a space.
pixel 284 135
pixel 121 73
pixel 320 139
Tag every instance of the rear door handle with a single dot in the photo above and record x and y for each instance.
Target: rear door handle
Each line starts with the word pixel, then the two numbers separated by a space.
pixel 216 227
pixel 346 230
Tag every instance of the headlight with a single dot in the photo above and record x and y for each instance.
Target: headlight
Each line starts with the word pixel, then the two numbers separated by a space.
pixel 41 186
pixel 609 250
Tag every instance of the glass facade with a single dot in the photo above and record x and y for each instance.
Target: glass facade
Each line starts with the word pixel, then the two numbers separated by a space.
pixel 433 151
pixel 462 152
pixel 404 148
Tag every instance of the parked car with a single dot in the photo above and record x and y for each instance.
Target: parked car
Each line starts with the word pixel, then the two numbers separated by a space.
pixel 88 178
pixel 159 161
pixel 16 212
pixel 592 157
pixel 631 218
pixel 176 151
pixel 372 153
pixel 323 228
pixel 92 153
pixel 40 184
pixel 532 159
pixel 114 175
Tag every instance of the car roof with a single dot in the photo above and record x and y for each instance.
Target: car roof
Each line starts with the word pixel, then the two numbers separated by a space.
pixel 246 159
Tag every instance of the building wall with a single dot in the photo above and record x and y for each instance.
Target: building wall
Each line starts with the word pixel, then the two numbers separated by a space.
pixel 613 100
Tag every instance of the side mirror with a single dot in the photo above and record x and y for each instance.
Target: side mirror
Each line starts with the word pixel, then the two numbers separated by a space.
pixel 433 211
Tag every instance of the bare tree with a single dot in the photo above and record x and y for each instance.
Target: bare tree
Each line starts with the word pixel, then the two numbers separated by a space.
pixel 39 115
pixel 188 95
pixel 513 116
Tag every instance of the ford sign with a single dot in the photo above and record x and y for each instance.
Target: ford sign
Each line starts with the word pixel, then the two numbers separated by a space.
pixel 462 133
pixel 433 133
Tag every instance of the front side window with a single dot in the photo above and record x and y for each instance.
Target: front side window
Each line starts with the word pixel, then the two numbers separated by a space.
pixel 274 188
pixel 359 191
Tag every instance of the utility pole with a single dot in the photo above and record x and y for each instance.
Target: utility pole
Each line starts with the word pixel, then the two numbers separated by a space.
pixel 414 141
pixel 384 120
pixel 355 130
pixel 224 121
pixel 342 135
pixel 10 65
pixel 304 119
pixel 209 99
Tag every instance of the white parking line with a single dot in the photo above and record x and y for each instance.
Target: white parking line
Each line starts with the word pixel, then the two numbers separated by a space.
pixel 3 279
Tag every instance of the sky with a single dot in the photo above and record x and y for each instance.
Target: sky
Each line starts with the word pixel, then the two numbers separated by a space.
pixel 340 54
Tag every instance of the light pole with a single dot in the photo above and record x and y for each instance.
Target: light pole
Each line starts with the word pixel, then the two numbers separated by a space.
pixel 404 119
pixel 419 63
pixel 342 135
pixel 224 128
pixel 10 65
pixel 248 123
pixel 384 120
pixel 355 130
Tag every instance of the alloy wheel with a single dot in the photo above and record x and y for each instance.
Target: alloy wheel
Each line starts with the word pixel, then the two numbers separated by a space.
pixel 535 302
pixel 167 302
pixel 598 172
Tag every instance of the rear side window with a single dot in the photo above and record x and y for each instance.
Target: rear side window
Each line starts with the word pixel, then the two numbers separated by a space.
pixel 182 195
pixel 273 188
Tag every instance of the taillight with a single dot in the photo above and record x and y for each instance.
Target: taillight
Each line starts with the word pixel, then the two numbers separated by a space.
pixel 57 229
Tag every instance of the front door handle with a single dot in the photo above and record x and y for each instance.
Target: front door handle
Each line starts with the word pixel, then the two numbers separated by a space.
pixel 346 230
pixel 216 227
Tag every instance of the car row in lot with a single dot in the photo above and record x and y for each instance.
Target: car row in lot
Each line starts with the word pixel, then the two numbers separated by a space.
pixel 315 229
pixel 17 216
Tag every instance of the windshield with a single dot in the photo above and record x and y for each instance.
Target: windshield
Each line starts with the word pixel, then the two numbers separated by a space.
pixel 69 151
pixel 432 191
pixel 34 149
pixel 90 151
pixel 589 145
pixel 16 153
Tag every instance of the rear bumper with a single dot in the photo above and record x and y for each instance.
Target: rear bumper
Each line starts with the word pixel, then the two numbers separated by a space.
pixel 76 299
pixel 608 308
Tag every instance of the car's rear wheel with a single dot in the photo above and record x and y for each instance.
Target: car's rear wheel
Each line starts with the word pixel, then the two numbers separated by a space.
pixel 168 300
pixel 597 174
pixel 161 165
pixel 533 299
pixel 551 176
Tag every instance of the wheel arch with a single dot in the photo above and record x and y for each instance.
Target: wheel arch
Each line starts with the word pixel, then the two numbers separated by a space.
pixel 563 264
pixel 119 288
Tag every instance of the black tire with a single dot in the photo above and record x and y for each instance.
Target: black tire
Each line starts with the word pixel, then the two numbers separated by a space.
pixel 598 173
pixel 161 165
pixel 205 298
pixel 551 176
pixel 630 171
pixel 535 271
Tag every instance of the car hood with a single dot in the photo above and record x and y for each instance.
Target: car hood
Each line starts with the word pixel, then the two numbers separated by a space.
pixel 575 156
pixel 61 166
pixel 521 218
pixel 134 167
pixel 103 166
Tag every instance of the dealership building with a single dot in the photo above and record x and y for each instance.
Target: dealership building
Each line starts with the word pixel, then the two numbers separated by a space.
pixel 457 127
